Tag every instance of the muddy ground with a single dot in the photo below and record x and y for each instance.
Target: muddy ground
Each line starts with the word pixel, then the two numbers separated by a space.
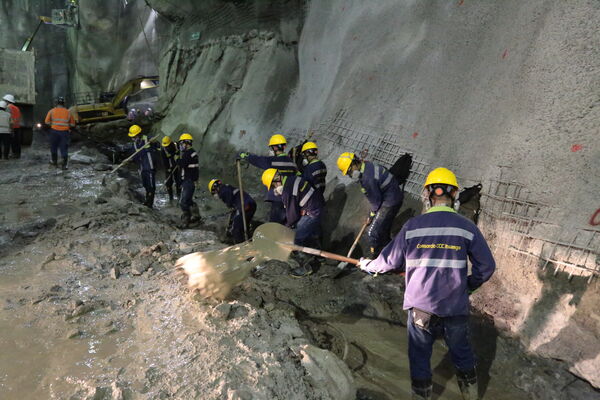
pixel 91 309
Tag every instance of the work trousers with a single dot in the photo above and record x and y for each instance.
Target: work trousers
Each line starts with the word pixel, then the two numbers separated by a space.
pixel 277 213
pixel 16 142
pixel 237 223
pixel 381 227
pixel 5 140
pixel 59 140
pixel 148 180
pixel 187 195
pixel 308 231
pixel 454 330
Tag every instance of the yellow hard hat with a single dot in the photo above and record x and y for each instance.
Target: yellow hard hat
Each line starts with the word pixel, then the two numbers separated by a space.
pixel 267 177
pixel 186 136
pixel 308 146
pixel 166 141
pixel 441 176
pixel 277 140
pixel 344 161
pixel 212 183
pixel 134 130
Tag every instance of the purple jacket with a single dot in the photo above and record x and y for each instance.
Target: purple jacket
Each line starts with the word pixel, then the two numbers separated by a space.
pixel 433 249
pixel 380 186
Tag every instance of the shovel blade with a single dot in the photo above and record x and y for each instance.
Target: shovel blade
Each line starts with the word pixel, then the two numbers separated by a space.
pixel 270 241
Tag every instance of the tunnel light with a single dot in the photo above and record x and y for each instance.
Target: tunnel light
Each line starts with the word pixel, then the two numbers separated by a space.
pixel 38 125
pixel 147 84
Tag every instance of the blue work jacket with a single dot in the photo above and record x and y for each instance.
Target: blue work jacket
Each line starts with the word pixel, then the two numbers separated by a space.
pixel 300 198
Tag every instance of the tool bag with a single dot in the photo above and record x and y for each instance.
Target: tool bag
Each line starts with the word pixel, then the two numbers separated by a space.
pixel 401 168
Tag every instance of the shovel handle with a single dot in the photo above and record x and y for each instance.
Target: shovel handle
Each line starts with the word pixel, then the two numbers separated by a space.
pixel 324 254
pixel 360 233
pixel 133 155
pixel 239 173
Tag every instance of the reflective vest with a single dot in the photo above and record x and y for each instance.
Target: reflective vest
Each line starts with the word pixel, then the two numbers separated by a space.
pixel 4 122
pixel 15 113
pixel 60 119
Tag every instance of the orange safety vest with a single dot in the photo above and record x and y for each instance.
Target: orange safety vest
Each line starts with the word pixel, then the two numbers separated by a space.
pixel 15 113
pixel 60 119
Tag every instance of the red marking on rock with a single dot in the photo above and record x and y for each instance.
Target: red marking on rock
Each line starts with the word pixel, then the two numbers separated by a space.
pixel 461 2
pixel 414 135
pixel 576 147
pixel 595 220
pixel 370 78
pixel 505 53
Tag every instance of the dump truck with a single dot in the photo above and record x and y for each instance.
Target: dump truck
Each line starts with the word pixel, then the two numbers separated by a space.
pixel 17 77
pixel 109 106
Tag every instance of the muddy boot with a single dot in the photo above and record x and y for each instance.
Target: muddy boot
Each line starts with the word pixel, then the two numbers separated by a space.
pixel 149 200
pixel 185 220
pixel 65 163
pixel 467 382
pixel 195 214
pixel 54 162
pixel 421 389
pixel 304 268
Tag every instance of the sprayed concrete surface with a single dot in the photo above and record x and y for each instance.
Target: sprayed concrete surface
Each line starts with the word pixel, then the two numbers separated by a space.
pixel 91 309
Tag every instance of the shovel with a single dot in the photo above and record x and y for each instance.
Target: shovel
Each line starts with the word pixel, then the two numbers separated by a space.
pixel 343 265
pixel 125 161
pixel 214 273
pixel 239 172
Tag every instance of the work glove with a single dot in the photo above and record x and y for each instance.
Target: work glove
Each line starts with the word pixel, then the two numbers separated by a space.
pixel 371 217
pixel 242 155
pixel 363 264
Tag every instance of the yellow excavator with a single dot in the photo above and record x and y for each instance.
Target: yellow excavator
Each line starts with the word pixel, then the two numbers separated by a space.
pixel 110 107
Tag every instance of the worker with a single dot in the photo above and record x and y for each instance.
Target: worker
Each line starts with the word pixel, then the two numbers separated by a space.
pixel 281 162
pixel 61 121
pixel 170 155
pixel 188 165
pixel 143 157
pixel 433 250
pixel 15 114
pixel 313 169
pixel 6 123
pixel 304 208
pixel 383 193
pixel 231 197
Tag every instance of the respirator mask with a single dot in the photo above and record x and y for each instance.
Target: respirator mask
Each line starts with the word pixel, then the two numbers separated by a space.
pixel 355 176
pixel 278 190
pixel 305 162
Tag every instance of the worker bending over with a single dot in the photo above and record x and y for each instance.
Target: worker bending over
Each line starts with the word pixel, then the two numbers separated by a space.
pixel 231 197
pixel 433 249
pixel 304 208
pixel 313 169
pixel 143 157
pixel 383 193
pixel 280 161
pixel 15 114
pixel 5 130
pixel 61 121
pixel 188 164
pixel 170 155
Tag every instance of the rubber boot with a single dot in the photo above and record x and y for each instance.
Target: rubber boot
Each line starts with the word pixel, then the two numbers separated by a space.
pixel 54 161
pixel 178 192
pixel 149 199
pixel 65 163
pixel 185 220
pixel 467 382
pixel 170 192
pixel 195 213
pixel 421 389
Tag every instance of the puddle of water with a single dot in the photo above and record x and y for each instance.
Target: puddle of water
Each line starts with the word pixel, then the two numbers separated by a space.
pixel 377 352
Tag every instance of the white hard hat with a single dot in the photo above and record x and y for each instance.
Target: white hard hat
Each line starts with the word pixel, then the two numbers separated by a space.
pixel 3 104
pixel 9 97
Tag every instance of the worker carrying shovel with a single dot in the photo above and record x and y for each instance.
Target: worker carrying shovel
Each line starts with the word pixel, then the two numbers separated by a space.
pixel 142 148
pixel 231 197
pixel 170 155
pixel 304 208
pixel 433 249
pixel 313 169
pixel 384 195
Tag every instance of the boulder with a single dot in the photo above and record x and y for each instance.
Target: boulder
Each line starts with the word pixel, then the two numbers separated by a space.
pixel 327 372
